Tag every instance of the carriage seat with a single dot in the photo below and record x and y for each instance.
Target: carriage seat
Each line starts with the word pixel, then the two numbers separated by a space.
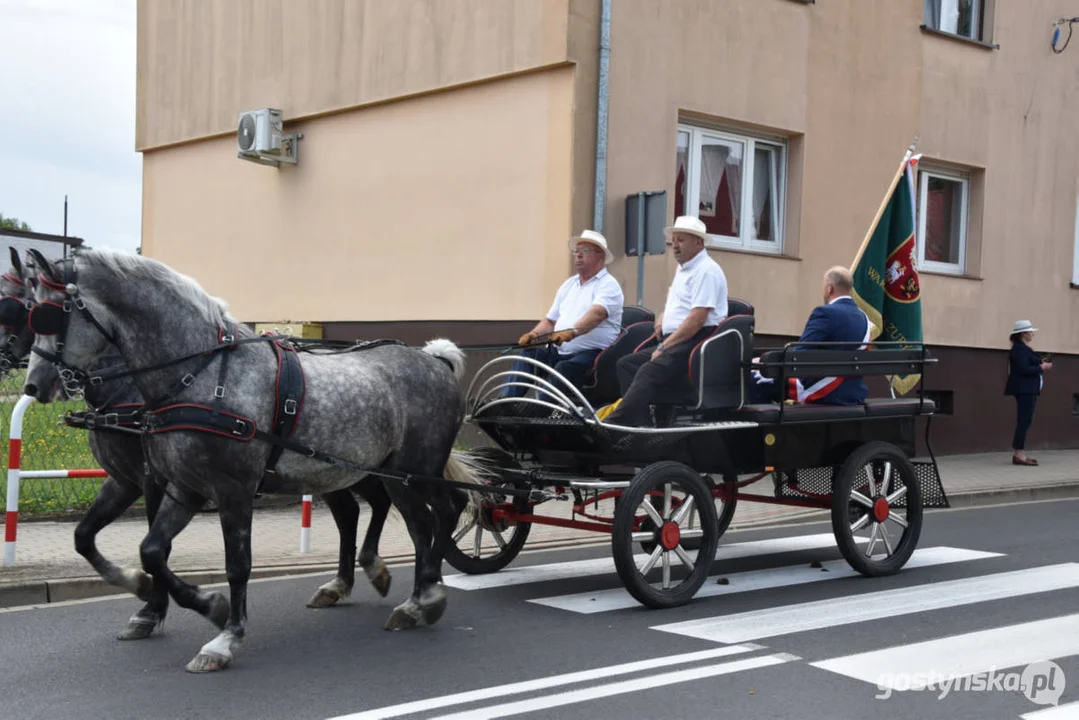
pixel 633 314
pixel 841 363
pixel 603 388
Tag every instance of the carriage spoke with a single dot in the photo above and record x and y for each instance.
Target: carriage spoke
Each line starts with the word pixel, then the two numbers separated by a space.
pixel 860 499
pixel 686 508
pixel 884 536
pixel 872 540
pixel 499 539
pixel 897 495
pixel 861 523
pixel 872 483
pixel 477 541
pixel 652 514
pixel 692 534
pixel 666 501
pixel 684 557
pixel 897 520
pixel 887 479
pixel 464 531
pixel 666 570
pixel 652 560
pixel 643 537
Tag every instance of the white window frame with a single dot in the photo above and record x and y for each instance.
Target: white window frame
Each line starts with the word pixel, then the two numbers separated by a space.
pixel 945 6
pixel 747 239
pixel 964 204
pixel 1075 249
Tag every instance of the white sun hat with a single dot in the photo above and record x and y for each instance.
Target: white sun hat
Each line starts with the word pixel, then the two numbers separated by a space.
pixel 591 236
pixel 687 224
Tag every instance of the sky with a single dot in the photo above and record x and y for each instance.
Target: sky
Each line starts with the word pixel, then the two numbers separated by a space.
pixel 67 119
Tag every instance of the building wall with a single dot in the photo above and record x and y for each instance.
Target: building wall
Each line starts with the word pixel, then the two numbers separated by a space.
pixel 202 62
pixel 850 84
pixel 440 207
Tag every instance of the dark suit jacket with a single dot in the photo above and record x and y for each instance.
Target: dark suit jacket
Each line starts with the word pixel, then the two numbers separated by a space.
pixel 1024 371
pixel 842 321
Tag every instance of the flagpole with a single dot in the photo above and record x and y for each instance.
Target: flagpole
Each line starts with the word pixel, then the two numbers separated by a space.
pixel 887 199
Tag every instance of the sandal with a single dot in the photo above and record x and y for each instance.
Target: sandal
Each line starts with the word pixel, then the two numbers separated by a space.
pixel 1028 461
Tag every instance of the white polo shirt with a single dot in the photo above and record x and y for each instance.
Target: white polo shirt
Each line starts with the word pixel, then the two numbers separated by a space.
pixel 575 298
pixel 698 283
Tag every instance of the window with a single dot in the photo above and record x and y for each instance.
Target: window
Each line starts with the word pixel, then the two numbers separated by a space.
pixel 738 183
pixel 943 202
pixel 958 17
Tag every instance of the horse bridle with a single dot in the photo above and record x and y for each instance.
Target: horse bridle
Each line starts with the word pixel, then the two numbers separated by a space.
pixel 14 314
pixel 51 318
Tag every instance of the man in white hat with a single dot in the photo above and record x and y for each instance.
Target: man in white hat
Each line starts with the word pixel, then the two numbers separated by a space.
pixel 584 319
pixel 696 304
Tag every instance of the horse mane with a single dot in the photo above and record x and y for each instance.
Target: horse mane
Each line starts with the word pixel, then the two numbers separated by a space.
pixel 139 268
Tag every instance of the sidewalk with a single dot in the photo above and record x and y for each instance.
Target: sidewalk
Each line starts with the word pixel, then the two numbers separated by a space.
pixel 49 570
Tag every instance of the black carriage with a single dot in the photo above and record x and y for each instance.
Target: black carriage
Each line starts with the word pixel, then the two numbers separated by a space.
pixel 675 486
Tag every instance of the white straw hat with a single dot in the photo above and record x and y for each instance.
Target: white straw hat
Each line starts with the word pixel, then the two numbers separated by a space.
pixel 687 224
pixel 591 236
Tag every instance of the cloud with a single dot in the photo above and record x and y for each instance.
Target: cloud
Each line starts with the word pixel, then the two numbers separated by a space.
pixel 67 116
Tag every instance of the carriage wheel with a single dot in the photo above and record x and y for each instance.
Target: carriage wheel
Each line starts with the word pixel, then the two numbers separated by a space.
pixel 467 552
pixel 724 512
pixel 875 536
pixel 681 571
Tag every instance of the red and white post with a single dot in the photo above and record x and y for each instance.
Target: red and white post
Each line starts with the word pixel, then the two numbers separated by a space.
pixel 15 473
pixel 305 525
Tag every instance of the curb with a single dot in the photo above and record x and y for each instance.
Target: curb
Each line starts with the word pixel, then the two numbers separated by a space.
pixel 44 592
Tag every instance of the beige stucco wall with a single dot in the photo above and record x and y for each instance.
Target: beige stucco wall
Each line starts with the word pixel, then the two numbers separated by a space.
pixel 441 207
pixel 851 83
pixel 202 62
pixel 1012 113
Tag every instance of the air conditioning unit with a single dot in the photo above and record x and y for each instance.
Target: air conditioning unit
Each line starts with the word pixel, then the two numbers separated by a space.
pixel 260 138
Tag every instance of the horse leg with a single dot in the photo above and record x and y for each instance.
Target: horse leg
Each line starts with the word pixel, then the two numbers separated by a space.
pixel 152 614
pixel 374 492
pixel 172 517
pixel 346 515
pixel 235 510
pixel 425 594
pixel 112 499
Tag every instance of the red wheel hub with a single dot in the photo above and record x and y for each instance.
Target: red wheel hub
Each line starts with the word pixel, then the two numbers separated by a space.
pixel 881 510
pixel 670 536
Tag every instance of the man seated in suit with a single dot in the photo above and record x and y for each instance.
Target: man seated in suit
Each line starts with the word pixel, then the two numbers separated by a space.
pixel 839 319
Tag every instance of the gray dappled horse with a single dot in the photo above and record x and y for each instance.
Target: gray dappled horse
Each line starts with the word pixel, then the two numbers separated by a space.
pixel 388 406
pixel 120 454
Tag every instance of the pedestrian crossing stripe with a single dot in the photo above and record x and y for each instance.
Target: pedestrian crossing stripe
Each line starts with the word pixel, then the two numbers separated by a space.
pixel 863 607
pixel 588 603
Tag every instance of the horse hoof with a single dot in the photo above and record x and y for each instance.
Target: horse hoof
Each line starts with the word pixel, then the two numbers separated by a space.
pixel 433 604
pixel 379 575
pixel 206 662
pixel 137 629
pixel 402 619
pixel 329 594
pixel 219 610
pixel 434 613
pixel 381 582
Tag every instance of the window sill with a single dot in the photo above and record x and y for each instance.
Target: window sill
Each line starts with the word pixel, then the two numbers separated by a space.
pixel 754 253
pixel 959 38
pixel 957 276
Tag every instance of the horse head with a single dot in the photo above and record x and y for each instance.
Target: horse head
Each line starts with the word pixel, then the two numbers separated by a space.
pixel 15 335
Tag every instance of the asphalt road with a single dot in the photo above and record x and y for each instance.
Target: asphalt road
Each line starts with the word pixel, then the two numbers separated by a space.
pixel 990 592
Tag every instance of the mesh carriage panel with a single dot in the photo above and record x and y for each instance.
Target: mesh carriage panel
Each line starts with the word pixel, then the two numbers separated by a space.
pixel 817 483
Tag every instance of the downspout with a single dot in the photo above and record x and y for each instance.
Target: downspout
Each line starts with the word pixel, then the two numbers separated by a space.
pixel 603 93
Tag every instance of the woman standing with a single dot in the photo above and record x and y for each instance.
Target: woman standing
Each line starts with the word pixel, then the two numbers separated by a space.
pixel 1025 368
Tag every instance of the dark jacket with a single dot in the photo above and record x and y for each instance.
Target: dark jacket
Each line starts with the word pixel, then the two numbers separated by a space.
pixel 842 321
pixel 1024 371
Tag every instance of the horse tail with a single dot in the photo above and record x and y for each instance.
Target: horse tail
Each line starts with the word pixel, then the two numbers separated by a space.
pixel 448 353
pixel 466 467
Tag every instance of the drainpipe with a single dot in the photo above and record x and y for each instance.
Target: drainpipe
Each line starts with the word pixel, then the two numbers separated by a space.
pixel 600 199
